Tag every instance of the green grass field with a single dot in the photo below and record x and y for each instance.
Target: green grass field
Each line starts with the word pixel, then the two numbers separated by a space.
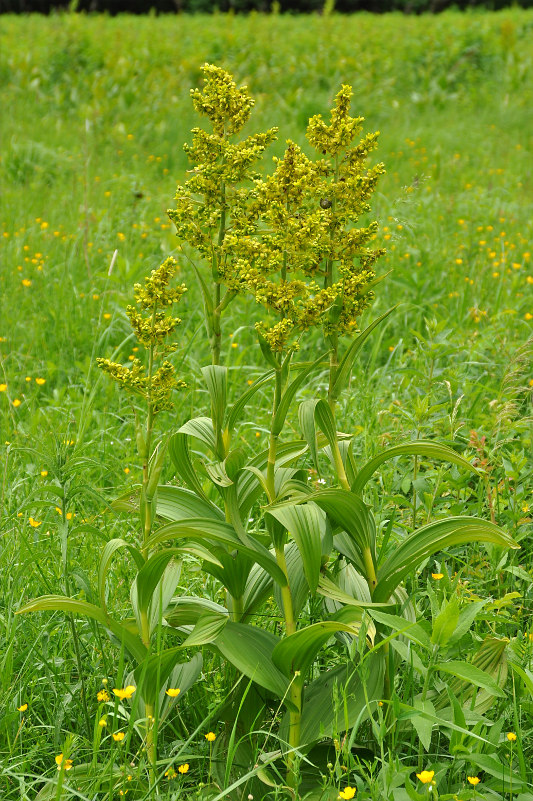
pixel 96 111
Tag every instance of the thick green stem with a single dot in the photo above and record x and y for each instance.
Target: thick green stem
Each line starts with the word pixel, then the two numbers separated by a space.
pixel 295 726
pixel 273 442
pixel 237 608
pixel 370 570
pixel 151 749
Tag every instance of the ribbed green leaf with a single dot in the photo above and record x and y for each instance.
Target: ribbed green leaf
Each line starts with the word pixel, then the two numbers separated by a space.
pixel 329 589
pixel 298 651
pixel 111 548
pixel 258 588
pixel 305 524
pixel 148 578
pixel 249 487
pixel 345 367
pixel 234 411
pixel 315 412
pixel 336 701
pixel 288 396
pixel 348 512
pixel 250 649
pixel 429 540
pixel 472 674
pixel 187 611
pixel 157 668
pixel 202 429
pixel 220 532
pixel 60 603
pixel 178 448
pixel 206 629
pixel 216 379
pixel 445 623
pixel 432 450
pixel 178 503
pixel 409 629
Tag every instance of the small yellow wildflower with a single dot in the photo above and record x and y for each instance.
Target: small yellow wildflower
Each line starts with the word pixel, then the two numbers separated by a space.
pixel 107 316
pixel 426 776
pixel 44 473
pixel 171 773
pixel 16 402
pixel 184 768
pixel 437 576
pixel 3 387
pixel 22 708
pixel 103 695
pixel 34 523
pixel 127 692
pixel 348 792
pixel 26 282
pixel 40 381
pixel 511 736
pixel 126 470
pixel 473 780
pixel 62 763
pixel 210 737
pixel 528 316
pixel 118 736
pixel 102 722
pixel 28 378
pixel 173 692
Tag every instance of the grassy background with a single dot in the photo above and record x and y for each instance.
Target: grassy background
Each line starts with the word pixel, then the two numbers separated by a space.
pixel 96 111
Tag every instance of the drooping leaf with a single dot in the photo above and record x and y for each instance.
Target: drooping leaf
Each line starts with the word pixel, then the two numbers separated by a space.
pixel 178 448
pixel 218 531
pixel 433 450
pixel 206 629
pixel 216 379
pixel 202 429
pixel 472 674
pixel 186 611
pixel 430 539
pixel 148 578
pixel 288 396
pixel 399 624
pixel 110 549
pixel 305 524
pixel 345 367
pixel 249 649
pixel 60 603
pixel 336 700
pixel 235 410
pixel 349 513
pixel 298 651
pixel 258 588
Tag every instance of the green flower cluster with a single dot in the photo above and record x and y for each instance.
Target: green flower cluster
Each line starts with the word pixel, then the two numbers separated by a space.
pixel 151 330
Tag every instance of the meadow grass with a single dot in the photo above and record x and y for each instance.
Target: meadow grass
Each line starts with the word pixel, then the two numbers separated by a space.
pixel 97 110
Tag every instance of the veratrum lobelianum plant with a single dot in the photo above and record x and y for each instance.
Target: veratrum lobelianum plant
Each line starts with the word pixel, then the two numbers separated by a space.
pixel 290 241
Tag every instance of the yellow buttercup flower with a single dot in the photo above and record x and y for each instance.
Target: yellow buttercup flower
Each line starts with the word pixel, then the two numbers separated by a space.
pixel 184 768
pixel 426 776
pixel 34 523
pixel 511 736
pixel 437 576
pixel 63 763
pixel 16 402
pixel 44 473
pixel 102 722
pixel 348 792
pixel 173 693
pixel 103 695
pixel 170 773
pixel 210 737
pixel 118 736
pixel 473 780
pixel 127 692
pixel 22 708
pixel 3 387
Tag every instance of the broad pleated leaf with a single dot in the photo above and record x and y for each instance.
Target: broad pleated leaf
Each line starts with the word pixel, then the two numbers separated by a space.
pixel 349 513
pixel 110 549
pixel 178 448
pixel 306 525
pixel 250 649
pixel 432 450
pixel 345 367
pixel 216 379
pixel 298 651
pixel 288 396
pixel 60 603
pixel 186 611
pixel 335 701
pixel 148 578
pixel 249 487
pixel 315 412
pixel 202 429
pixel 234 411
pixel 430 539
pixel 472 674
pixel 206 629
pixel 220 532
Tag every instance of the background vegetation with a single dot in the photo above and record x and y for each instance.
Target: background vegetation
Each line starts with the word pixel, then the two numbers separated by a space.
pixel 98 111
